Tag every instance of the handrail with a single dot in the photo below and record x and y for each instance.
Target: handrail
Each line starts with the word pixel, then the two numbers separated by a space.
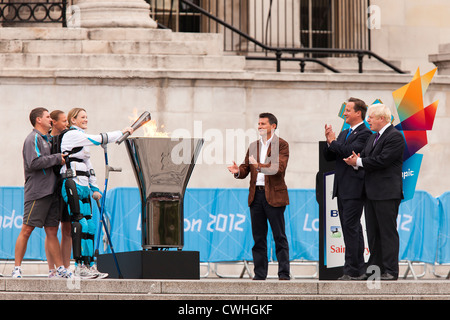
pixel 279 51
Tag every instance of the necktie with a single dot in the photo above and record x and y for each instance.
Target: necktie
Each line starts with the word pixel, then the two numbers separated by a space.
pixel 348 134
pixel 376 138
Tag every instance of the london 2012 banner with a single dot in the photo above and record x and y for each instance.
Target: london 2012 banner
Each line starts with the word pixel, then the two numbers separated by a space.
pixel 414 121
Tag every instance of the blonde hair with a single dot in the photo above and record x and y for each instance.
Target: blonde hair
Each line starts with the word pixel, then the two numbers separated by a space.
pixel 73 113
pixel 380 111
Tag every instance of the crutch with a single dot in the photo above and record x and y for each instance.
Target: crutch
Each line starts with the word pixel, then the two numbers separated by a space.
pixel 101 208
pixel 143 119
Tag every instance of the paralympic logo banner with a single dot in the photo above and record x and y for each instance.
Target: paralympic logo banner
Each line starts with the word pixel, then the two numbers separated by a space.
pixel 414 122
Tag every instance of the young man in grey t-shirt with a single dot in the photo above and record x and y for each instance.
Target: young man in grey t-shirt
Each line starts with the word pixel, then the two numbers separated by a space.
pixel 40 201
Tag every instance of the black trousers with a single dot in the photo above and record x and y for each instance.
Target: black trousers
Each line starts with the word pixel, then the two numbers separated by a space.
pixel 382 235
pixel 350 211
pixel 260 212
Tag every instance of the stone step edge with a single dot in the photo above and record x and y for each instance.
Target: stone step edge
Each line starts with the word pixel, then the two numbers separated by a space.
pixel 18 295
pixel 109 47
pixel 118 61
pixel 42 33
pixel 123 73
pixel 224 287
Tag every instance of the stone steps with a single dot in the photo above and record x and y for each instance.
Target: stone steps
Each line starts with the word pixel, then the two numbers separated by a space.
pixel 41 33
pixel 118 61
pixel 222 289
pixel 113 49
pixel 108 47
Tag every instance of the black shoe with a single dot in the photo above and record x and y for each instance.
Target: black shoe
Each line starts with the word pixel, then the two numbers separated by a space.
pixel 258 278
pixel 388 276
pixel 283 277
pixel 362 277
pixel 345 277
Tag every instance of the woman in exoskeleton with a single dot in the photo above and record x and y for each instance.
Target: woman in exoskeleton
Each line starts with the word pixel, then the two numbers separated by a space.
pixel 78 183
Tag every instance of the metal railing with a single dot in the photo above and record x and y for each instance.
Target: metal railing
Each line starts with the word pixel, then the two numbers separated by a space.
pixel 262 41
pixel 269 30
pixel 14 12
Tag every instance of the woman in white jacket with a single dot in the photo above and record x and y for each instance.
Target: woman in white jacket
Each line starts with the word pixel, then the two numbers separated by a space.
pixel 78 183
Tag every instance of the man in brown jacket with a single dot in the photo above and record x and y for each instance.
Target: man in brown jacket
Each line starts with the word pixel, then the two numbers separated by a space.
pixel 266 161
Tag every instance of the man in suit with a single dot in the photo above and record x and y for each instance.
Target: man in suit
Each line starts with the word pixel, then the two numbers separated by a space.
pixel 382 160
pixel 349 184
pixel 266 161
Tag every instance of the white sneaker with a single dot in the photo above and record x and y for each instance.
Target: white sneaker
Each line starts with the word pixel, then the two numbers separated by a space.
pixel 100 275
pixel 52 274
pixel 84 273
pixel 62 272
pixel 17 273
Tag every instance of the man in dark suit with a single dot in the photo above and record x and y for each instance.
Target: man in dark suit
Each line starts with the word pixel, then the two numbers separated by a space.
pixel 349 184
pixel 266 161
pixel 382 160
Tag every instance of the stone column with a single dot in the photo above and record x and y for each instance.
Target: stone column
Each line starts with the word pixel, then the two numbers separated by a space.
pixel 114 14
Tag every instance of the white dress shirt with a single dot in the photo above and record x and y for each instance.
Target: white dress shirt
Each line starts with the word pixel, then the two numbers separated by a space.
pixel 359 162
pixel 262 157
pixel 352 128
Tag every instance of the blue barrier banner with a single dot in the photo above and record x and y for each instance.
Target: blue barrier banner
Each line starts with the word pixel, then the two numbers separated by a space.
pixel 302 225
pixel 417 225
pixel 123 213
pixel 217 224
pixel 11 218
pixel 443 247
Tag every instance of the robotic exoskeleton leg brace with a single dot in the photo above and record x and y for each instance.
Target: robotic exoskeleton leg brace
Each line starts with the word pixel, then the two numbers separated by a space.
pixel 83 228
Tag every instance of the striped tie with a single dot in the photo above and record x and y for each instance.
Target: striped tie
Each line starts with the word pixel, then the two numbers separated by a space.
pixel 376 139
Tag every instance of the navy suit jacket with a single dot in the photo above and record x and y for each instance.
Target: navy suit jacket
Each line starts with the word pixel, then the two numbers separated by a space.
pixel 348 182
pixel 383 165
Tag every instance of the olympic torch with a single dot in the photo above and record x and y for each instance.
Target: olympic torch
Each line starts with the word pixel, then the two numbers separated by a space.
pixel 143 119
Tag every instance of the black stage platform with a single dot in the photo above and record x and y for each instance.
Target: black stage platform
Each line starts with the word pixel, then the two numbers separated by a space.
pixel 152 264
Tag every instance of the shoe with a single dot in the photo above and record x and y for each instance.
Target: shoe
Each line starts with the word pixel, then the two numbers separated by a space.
pixel 284 277
pixel 100 275
pixel 362 277
pixel 347 277
pixel 258 278
pixel 388 277
pixel 64 273
pixel 17 273
pixel 344 277
pixel 83 272
pixel 52 274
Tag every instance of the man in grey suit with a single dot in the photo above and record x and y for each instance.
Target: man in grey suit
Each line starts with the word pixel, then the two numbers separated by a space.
pixel 349 184
pixel 382 160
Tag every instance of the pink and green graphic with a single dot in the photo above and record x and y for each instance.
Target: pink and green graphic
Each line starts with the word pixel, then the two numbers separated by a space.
pixel 415 120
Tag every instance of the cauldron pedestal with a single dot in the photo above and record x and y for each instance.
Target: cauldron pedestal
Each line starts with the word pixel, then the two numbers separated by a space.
pixel 152 264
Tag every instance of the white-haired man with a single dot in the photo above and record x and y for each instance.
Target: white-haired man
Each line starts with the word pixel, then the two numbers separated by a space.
pixel 382 160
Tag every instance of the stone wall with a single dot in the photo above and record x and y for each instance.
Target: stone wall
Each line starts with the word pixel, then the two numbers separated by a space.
pixel 212 103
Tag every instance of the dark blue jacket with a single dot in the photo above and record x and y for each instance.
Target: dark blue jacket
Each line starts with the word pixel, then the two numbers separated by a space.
pixel 348 182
